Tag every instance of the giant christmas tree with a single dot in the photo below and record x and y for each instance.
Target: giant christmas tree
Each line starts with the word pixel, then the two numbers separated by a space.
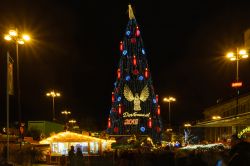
pixel 135 109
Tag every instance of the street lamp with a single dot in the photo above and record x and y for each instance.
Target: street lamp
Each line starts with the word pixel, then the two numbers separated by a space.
pixel 72 122
pixel 16 37
pixel 216 117
pixel 66 113
pixel 53 95
pixel 169 100
pixel 237 56
pixel 187 125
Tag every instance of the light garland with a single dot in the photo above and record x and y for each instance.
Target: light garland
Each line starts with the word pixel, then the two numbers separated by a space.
pixel 243 131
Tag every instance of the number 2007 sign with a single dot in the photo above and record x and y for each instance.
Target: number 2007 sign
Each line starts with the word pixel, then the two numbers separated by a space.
pixel 130 121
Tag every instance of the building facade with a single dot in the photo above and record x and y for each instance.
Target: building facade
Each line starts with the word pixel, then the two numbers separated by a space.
pixel 226 119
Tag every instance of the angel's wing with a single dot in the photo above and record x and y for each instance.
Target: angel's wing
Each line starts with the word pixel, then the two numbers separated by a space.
pixel 128 94
pixel 144 93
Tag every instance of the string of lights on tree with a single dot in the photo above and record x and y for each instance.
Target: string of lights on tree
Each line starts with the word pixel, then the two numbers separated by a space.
pixel 135 108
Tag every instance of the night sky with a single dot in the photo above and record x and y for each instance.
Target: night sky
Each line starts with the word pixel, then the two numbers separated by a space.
pixel 75 50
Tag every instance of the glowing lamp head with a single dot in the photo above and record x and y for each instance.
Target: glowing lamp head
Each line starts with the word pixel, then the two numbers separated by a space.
pixel 13 33
pixel 231 56
pixel 26 37
pixel 244 56
pixel 20 41
pixel 7 37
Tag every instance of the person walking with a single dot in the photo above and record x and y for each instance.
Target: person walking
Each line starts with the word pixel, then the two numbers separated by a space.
pixel 79 157
pixel 72 156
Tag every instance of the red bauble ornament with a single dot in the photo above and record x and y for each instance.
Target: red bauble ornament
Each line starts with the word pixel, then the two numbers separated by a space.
pixel 150 123
pixel 158 129
pixel 146 73
pixel 134 60
pixel 113 97
pixel 157 98
pixel 116 129
pixel 133 40
pixel 158 110
pixel 135 72
pixel 119 73
pixel 121 46
pixel 109 123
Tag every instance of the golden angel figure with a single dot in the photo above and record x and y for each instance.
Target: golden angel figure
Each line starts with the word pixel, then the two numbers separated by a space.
pixel 137 99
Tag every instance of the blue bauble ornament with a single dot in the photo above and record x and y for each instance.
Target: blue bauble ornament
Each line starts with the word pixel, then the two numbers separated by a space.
pixel 143 51
pixel 124 52
pixel 154 101
pixel 141 78
pixel 128 33
pixel 127 78
pixel 142 129
pixel 119 98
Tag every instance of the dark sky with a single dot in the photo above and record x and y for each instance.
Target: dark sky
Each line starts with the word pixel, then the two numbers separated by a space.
pixel 75 50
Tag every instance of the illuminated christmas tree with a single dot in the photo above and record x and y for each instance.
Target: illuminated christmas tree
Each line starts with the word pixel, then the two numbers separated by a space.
pixel 135 109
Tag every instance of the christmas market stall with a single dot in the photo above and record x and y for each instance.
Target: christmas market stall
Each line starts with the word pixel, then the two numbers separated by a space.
pixel 60 144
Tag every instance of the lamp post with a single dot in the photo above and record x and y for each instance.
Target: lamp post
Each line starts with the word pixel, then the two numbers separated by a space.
pixel 17 38
pixel 237 56
pixel 169 100
pixel 53 95
pixel 72 122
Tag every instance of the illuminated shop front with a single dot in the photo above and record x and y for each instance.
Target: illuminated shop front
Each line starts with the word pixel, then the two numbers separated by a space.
pixel 60 143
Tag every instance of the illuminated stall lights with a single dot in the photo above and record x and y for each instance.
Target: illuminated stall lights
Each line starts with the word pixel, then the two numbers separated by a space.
pixel 70 137
pixel 60 143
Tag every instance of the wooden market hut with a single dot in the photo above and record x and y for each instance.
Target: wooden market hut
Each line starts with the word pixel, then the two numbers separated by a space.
pixel 60 143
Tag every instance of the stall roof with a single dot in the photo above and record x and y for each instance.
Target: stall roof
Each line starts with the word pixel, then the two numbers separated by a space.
pixel 68 136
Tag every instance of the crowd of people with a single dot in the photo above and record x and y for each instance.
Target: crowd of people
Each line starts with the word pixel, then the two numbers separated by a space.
pixel 75 159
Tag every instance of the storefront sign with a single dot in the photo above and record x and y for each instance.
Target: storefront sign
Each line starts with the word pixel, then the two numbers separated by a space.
pixel 135 114
pixel 131 122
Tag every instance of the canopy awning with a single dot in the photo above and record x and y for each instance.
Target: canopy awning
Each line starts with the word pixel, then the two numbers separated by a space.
pixel 239 120
pixel 72 137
